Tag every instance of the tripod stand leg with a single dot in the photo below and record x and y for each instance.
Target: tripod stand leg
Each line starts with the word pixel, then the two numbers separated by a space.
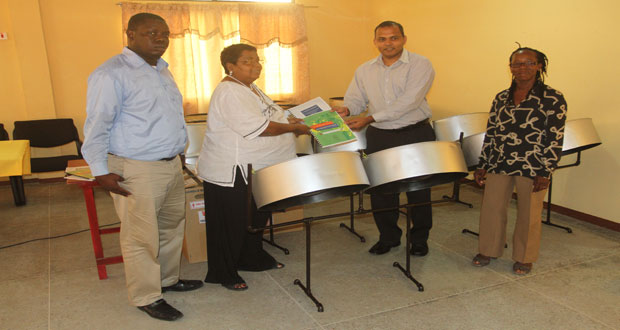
pixel 548 221
pixel 271 241
pixel 407 271
pixel 351 228
pixel 306 289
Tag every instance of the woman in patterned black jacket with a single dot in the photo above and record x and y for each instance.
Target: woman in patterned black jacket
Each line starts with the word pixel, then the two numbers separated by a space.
pixel 522 147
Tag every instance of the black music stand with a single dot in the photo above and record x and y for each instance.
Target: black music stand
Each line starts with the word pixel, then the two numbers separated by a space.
pixel 456 188
pixel 351 226
pixel 576 163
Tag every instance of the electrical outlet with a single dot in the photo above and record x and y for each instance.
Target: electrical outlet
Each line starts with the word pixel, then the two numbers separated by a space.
pixel 3 36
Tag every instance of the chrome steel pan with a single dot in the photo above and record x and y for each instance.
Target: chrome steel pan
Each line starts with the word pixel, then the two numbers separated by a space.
pixel 579 134
pixel 414 166
pixel 303 145
pixel 360 144
pixel 472 147
pixel 449 129
pixel 308 179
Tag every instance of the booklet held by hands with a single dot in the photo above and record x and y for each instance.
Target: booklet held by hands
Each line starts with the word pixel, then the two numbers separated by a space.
pixel 326 126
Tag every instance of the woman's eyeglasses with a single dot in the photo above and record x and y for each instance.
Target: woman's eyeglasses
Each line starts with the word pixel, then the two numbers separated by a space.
pixel 527 64
pixel 249 61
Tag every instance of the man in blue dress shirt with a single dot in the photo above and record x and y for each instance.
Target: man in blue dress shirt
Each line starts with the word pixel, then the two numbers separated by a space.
pixel 134 134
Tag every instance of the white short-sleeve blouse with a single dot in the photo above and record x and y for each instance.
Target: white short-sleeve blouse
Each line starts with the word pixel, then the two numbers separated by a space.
pixel 237 117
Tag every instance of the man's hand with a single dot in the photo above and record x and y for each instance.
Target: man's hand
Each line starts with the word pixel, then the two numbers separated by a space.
pixel 342 111
pixel 540 183
pixel 480 176
pixel 358 123
pixel 110 182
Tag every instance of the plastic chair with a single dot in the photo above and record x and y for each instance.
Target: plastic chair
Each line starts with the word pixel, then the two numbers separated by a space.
pixel 46 134
pixel 4 135
pixel 195 136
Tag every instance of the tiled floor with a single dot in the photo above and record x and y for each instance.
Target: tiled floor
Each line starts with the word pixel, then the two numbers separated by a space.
pixel 53 283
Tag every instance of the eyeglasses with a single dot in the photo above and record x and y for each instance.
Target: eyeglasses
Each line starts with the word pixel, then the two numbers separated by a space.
pixel 527 64
pixel 248 61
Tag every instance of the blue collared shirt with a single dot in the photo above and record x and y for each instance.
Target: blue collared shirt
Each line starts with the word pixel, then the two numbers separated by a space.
pixel 395 95
pixel 134 111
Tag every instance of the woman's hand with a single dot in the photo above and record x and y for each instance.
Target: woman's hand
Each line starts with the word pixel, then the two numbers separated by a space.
pixel 342 111
pixel 301 129
pixel 540 183
pixel 480 176
pixel 294 120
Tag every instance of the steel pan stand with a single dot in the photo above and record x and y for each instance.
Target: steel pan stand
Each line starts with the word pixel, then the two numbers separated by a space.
pixel 351 227
pixel 407 270
pixel 306 289
pixel 271 241
pixel 456 188
pixel 548 221
pixel 352 219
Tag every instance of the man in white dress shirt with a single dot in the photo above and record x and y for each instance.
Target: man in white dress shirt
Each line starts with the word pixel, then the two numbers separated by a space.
pixel 393 86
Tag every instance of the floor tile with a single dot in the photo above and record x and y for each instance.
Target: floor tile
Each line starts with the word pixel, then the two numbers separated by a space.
pixel 24 303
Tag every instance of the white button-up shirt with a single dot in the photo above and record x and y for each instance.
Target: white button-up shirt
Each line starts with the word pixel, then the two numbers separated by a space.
pixel 237 117
pixel 395 95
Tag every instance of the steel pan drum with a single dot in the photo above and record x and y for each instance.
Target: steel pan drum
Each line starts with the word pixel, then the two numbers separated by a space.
pixel 579 134
pixel 472 147
pixel 449 129
pixel 303 145
pixel 360 144
pixel 308 179
pixel 414 167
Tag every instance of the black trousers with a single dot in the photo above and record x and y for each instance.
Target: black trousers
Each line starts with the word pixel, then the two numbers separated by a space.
pixel 387 221
pixel 230 247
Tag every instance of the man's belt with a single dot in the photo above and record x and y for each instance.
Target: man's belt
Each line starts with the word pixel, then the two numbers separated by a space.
pixel 409 127
pixel 163 159
pixel 169 158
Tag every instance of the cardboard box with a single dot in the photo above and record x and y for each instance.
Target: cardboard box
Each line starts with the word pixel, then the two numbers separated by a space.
pixel 195 240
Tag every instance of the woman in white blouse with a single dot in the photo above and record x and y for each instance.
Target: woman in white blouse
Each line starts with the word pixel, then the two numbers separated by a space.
pixel 245 126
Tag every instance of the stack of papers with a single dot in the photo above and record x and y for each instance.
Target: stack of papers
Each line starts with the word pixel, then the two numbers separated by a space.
pixel 326 126
pixel 81 173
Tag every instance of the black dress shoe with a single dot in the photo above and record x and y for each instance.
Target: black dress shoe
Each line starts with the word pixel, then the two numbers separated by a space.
pixel 419 249
pixel 382 248
pixel 183 285
pixel 161 311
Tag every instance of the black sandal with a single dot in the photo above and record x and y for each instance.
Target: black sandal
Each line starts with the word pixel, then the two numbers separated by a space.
pixel 520 268
pixel 481 260
pixel 236 286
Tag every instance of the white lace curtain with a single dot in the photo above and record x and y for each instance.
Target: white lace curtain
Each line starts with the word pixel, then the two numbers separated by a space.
pixel 200 31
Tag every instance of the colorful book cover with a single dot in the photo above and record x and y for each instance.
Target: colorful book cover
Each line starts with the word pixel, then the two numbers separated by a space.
pixel 329 129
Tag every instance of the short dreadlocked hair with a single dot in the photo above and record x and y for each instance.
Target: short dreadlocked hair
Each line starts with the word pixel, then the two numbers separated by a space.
pixel 540 58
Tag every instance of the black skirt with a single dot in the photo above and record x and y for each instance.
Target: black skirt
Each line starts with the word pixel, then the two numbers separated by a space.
pixel 230 247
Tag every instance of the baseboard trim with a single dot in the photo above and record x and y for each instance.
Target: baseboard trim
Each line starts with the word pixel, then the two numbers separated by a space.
pixel 615 226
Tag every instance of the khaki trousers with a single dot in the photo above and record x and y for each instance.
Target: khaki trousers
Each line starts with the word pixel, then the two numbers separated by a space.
pixel 152 224
pixel 493 217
